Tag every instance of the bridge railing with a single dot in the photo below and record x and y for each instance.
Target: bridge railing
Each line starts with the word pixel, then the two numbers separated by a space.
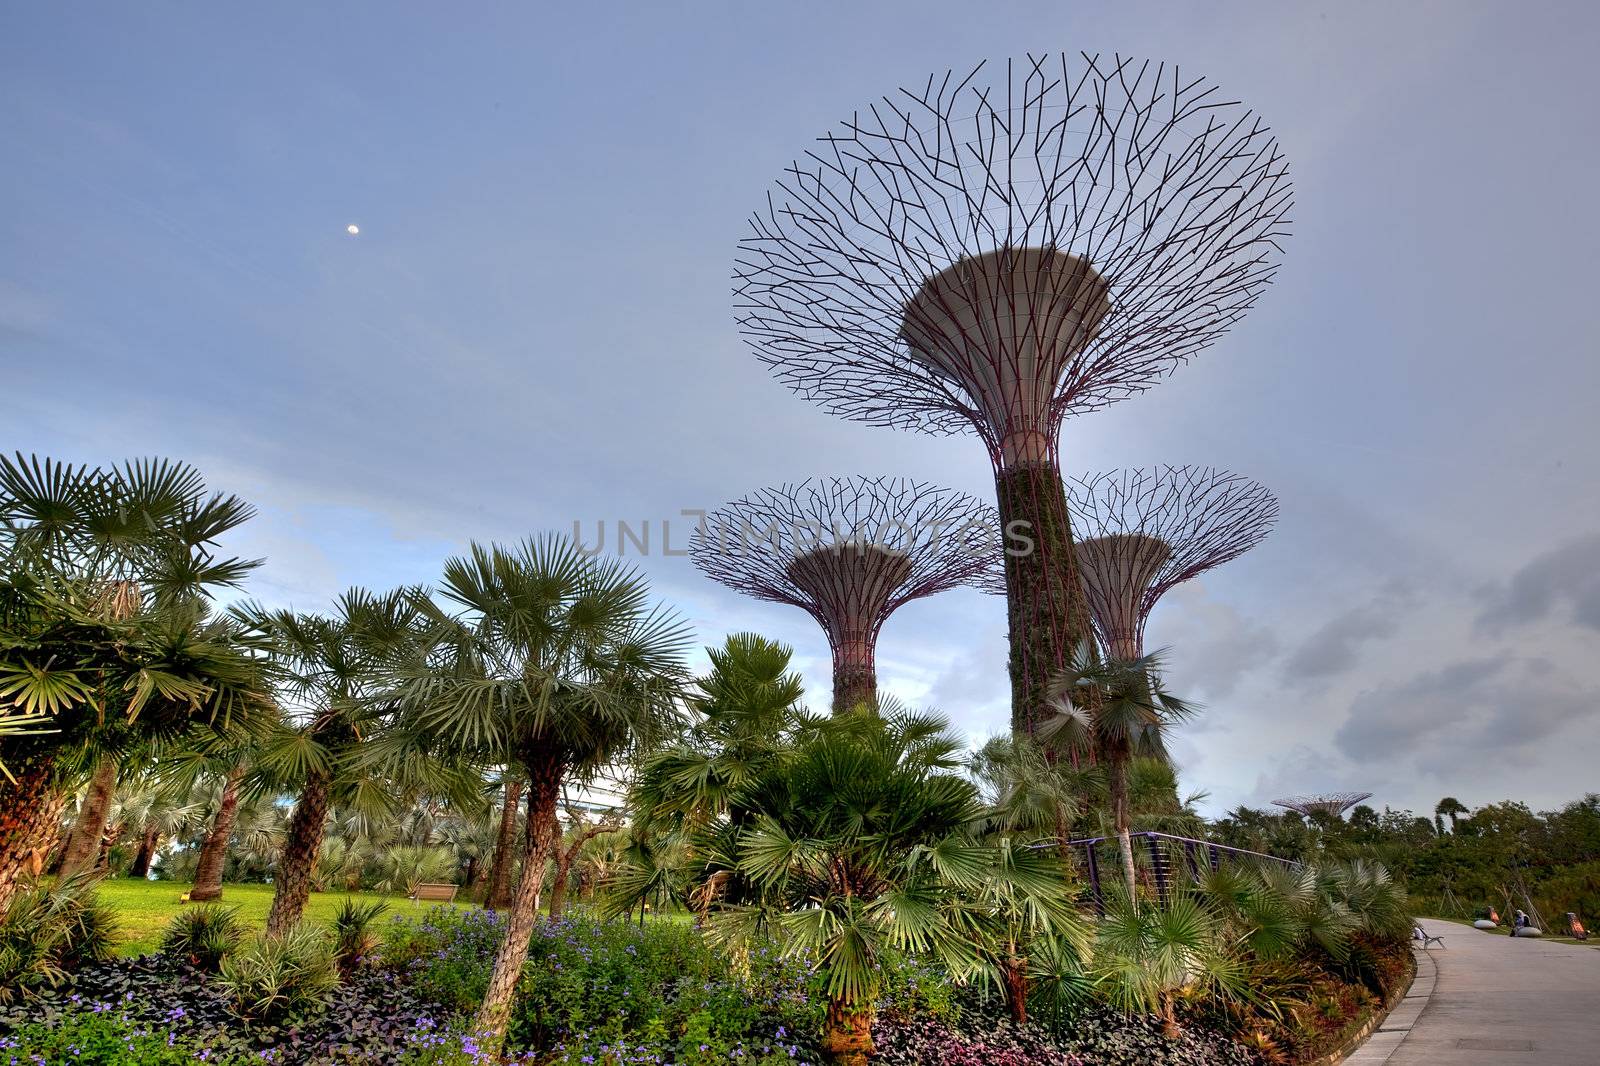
pixel 1163 863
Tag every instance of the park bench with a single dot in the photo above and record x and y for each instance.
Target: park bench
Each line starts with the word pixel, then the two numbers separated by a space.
pixel 1419 933
pixel 433 893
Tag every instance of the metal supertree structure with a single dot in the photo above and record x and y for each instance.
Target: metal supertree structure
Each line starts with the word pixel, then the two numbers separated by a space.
pixel 1330 803
pixel 989 255
pixel 1141 532
pixel 850 551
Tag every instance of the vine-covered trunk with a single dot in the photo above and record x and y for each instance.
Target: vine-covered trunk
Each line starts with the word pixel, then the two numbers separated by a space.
pixel 847 1037
pixel 30 820
pixel 83 850
pixel 544 793
pixel 214 852
pixel 1047 612
pixel 148 842
pixel 505 855
pixel 292 885
pixel 854 683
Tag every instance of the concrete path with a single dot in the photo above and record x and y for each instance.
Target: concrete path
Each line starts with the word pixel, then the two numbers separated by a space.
pixel 1485 1000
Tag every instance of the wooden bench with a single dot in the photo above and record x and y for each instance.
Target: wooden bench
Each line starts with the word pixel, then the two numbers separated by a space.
pixel 433 893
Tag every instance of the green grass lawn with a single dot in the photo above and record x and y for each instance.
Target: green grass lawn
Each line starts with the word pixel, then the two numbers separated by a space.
pixel 145 907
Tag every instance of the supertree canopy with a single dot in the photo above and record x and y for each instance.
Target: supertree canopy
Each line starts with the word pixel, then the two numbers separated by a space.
pixel 990 253
pixel 850 551
pixel 1331 803
pixel 1140 532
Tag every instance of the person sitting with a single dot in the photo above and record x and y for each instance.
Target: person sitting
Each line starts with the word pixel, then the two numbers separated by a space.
pixel 1520 922
pixel 1575 928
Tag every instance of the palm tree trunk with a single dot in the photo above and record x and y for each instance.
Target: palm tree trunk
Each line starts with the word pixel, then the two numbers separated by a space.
pixel 558 885
pixel 292 886
pixel 544 792
pixel 83 850
pixel 108 840
pixel 1117 771
pixel 848 1035
pixel 30 821
pixel 505 843
pixel 214 852
pixel 565 857
pixel 146 853
pixel 1016 979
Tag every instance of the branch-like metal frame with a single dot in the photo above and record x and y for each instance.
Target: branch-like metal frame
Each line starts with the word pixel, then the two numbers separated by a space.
pixel 1334 803
pixel 850 551
pixel 1136 214
pixel 1139 532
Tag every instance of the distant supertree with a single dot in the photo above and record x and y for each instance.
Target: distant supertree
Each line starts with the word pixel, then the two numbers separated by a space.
pixel 1330 803
pixel 850 551
pixel 1140 532
pixel 989 255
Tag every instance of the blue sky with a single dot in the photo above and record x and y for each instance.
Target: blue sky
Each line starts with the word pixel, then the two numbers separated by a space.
pixel 534 327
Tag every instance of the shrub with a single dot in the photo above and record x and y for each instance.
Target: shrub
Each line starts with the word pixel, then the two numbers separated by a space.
pixel 924 1042
pixel 603 981
pixel 446 956
pixel 281 977
pixel 46 935
pixel 105 1036
pixel 204 935
pixel 354 938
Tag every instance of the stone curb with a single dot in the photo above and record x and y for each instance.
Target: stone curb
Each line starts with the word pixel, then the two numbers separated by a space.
pixel 1374 1042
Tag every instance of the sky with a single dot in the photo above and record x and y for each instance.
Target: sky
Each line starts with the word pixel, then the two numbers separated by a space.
pixel 534 328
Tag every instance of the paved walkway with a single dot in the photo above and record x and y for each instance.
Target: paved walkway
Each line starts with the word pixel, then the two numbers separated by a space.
pixel 1485 1000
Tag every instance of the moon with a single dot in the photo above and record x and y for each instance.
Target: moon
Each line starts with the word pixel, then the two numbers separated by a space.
pixel 352 229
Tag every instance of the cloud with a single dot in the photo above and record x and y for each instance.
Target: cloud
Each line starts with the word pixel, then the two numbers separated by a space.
pixel 1562 583
pixel 1336 646
pixel 1213 646
pixel 1448 720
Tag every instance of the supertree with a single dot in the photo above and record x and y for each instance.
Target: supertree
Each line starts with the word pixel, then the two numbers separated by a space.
pixel 1141 532
pixel 1333 804
pixel 989 255
pixel 849 551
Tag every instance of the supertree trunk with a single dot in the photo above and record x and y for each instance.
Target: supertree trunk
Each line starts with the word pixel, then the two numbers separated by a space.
pixel 30 820
pixel 544 793
pixel 83 850
pixel 1046 609
pixel 854 683
pixel 505 844
pixel 292 885
pixel 214 852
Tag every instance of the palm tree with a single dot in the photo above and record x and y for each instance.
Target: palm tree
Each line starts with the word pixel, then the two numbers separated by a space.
pixel 104 631
pixel 859 845
pixel 1114 710
pixel 745 713
pixel 1023 899
pixel 1028 792
pixel 505 846
pixel 1450 808
pixel 550 662
pixel 331 672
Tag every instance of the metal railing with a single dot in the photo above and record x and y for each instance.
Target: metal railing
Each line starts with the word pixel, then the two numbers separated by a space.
pixel 1163 863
